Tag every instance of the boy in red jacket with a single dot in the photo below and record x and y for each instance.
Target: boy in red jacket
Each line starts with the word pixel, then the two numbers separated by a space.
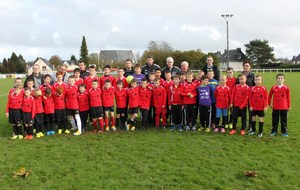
pixel 121 104
pixel 189 94
pixel 49 111
pixel 39 113
pixel 121 77
pixel 89 79
pixel 222 95
pixel 28 112
pixel 106 76
pixel 78 80
pixel 108 98
pixel 175 104
pixel 239 101
pixel 280 101
pixel 145 99
pixel 133 104
pixel 258 104
pixel 84 105
pixel 167 84
pixel 160 97
pixel 72 104
pixel 96 109
pixel 59 82
pixel 47 80
pixel 14 110
pixel 231 82
pixel 60 109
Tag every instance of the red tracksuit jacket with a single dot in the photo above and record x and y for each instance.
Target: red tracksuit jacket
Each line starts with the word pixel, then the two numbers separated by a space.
pixel 59 101
pixel 133 97
pixel 222 95
pixel 258 98
pixel 159 96
pixel 167 85
pixel 71 97
pixel 56 84
pixel 28 105
pixel 14 101
pixel 123 80
pixel 281 97
pixel 145 97
pixel 108 96
pixel 48 105
pixel 83 101
pixel 186 89
pixel 231 82
pixel 104 78
pixel 95 97
pixel 79 82
pixel 39 104
pixel 121 98
pixel 197 83
pixel 89 80
pixel 43 88
pixel 240 96
pixel 175 96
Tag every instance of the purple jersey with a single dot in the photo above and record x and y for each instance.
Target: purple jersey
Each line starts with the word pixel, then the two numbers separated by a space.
pixel 138 78
pixel 204 94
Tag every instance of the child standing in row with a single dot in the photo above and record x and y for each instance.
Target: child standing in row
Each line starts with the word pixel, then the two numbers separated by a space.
pixel 145 99
pixel 175 104
pixel 133 104
pixel 108 99
pixel 28 113
pixel 121 104
pixel 96 109
pixel 159 96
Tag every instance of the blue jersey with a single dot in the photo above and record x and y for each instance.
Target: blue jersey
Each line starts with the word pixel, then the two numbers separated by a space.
pixel 213 85
pixel 138 78
pixel 204 95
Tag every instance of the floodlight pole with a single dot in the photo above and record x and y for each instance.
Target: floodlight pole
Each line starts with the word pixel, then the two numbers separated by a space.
pixel 227 17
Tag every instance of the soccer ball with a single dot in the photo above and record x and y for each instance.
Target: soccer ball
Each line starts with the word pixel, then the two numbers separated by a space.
pixel 37 92
pixel 129 78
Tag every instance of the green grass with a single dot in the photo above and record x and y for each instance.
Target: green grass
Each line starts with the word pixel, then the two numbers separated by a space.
pixel 154 159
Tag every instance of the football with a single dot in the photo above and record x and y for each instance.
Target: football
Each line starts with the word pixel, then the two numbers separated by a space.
pixel 129 78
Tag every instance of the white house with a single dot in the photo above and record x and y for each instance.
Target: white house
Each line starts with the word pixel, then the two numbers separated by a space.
pixel 70 65
pixel 236 59
pixel 46 66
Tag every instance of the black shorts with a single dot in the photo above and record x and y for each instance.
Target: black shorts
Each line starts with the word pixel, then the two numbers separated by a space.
pixel 15 116
pixel 26 118
pixel 72 111
pixel 259 113
pixel 121 110
pixel 133 110
pixel 49 118
pixel 96 112
pixel 60 115
pixel 39 119
pixel 237 112
pixel 111 109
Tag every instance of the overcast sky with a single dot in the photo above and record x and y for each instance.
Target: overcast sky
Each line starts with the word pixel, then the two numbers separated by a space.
pixel 42 28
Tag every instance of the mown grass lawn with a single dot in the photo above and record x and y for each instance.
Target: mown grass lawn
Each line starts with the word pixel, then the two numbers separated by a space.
pixel 154 159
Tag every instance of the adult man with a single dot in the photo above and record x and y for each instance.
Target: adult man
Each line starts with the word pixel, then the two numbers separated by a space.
pixel 128 68
pixel 83 72
pixel 36 75
pixel 184 67
pixel 170 67
pixel 149 67
pixel 63 69
pixel 209 66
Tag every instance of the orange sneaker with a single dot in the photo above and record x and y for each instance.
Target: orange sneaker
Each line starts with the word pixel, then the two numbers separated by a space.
pixel 232 132
pixel 26 137
pixel 30 137
pixel 242 132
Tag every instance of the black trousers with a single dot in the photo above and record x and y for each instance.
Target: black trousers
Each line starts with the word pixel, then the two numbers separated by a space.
pixel 144 115
pixel 237 112
pixel 282 116
pixel 176 112
pixel 205 116
pixel 191 114
pixel 83 117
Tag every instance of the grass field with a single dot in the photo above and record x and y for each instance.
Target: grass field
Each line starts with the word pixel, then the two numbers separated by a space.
pixel 155 159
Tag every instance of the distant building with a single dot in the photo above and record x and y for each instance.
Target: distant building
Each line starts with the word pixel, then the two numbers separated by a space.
pixel 46 66
pixel 236 59
pixel 108 57
pixel 70 65
pixel 296 59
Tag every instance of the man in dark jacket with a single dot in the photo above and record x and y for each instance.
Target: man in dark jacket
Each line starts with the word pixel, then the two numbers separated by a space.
pixel 210 66
pixel 36 76
pixel 128 70
pixel 83 72
pixel 170 67
pixel 149 67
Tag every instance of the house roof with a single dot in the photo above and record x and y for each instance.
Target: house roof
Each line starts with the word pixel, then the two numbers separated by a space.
pixel 296 58
pixel 67 61
pixel 235 55
pixel 117 55
pixel 45 61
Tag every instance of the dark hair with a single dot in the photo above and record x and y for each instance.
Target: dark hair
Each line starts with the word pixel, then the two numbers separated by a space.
pixel 82 85
pixel 107 81
pixel 71 77
pixel 241 75
pixel 144 79
pixel 107 67
pixel 76 70
pixel 280 75
pixel 167 72
pixel 149 57
pixel 158 69
pixel 176 76
pixel 120 82
pixel 247 61
pixel 92 67
pixel 137 65
pixel 133 81
pixel 27 88
pixel 19 78
pixel 128 60
pixel 47 76
pixel 95 81
pixel 152 73
pixel 30 80
pixel 229 69
pixel 204 77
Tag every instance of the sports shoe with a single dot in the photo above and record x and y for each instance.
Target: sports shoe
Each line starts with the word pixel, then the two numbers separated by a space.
pixel 207 130
pixel 194 128
pixel 132 128
pixel 67 131
pixel 285 134
pixel 242 132
pixel 127 126
pixel 26 137
pixel 30 137
pixel 216 129
pixel 100 131
pixel 187 128
pixel 260 135
pixel 14 137
pixel 230 126
pixel 173 128
pixel 34 130
pixel 222 130
pixel 113 128
pixel 213 126
pixel 226 126
pixel 48 133
pixel 41 134
pixel 77 133
pixel 251 133
pixel 107 129
pixel 52 132
pixel 38 135
pixel 232 132
pixel 20 136
pixel 273 134
pixel 59 131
